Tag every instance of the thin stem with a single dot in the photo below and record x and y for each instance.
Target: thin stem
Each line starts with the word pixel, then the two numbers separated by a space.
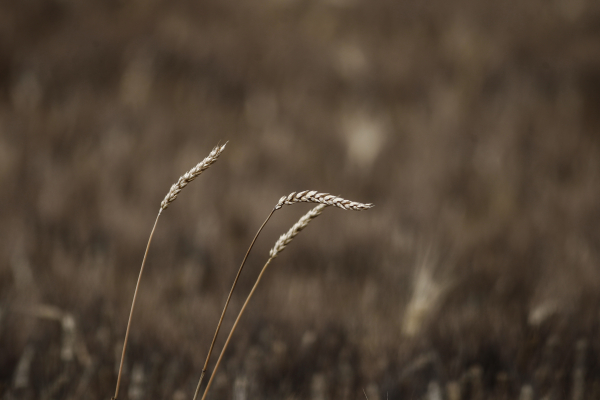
pixel 212 345
pixel 132 305
pixel 235 325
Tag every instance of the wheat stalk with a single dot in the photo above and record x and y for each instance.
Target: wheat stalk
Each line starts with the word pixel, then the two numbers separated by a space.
pixel 283 241
pixel 324 198
pixel 169 198
pixel 237 276
pixel 305 196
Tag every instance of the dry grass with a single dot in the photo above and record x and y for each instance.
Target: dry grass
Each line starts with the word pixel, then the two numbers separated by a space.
pixel 472 125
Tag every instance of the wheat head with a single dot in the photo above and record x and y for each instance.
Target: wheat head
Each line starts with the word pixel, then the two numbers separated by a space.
pixel 190 176
pixel 324 198
pixel 287 237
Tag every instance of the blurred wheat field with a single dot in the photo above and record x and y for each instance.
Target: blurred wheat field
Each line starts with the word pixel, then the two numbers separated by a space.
pixel 472 125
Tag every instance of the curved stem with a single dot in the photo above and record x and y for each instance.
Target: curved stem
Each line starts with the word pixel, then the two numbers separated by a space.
pixel 212 345
pixel 132 305
pixel 235 325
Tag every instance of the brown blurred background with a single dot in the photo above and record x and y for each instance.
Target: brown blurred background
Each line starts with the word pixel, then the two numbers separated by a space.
pixel 474 126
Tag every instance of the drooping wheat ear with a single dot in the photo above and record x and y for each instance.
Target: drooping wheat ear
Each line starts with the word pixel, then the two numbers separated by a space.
pixel 324 198
pixel 287 237
pixel 171 196
pixel 283 241
pixel 191 175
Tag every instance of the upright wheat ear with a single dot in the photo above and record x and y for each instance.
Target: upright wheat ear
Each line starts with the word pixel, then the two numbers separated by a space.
pixel 190 176
pixel 302 223
pixel 169 198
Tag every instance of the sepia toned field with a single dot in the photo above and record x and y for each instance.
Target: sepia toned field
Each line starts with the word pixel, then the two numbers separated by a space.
pixel 473 126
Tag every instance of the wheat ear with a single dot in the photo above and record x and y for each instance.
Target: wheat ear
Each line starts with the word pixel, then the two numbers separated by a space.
pixel 169 198
pixel 324 198
pixel 302 223
pixel 283 241
pixel 306 196
pixel 190 176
